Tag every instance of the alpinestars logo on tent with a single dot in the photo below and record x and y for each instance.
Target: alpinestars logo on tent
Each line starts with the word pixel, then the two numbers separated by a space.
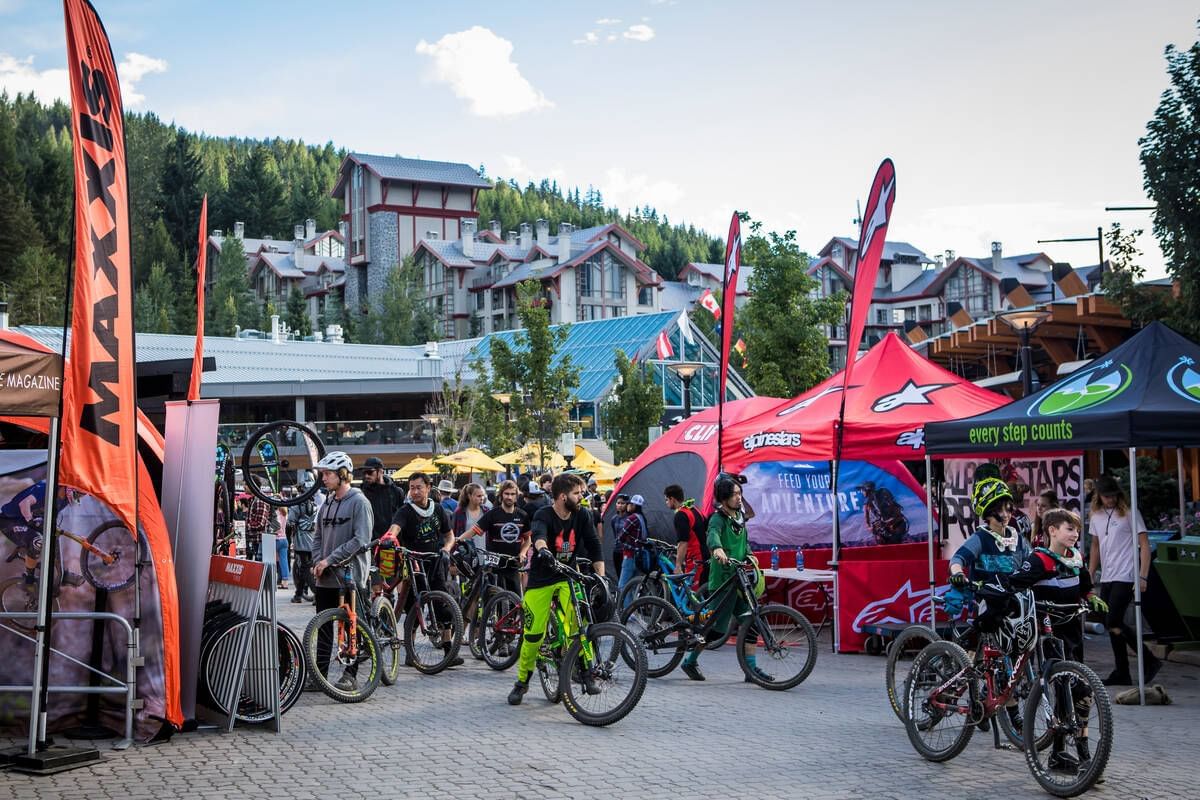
pixel 914 439
pixel 1184 380
pixel 761 439
pixel 911 394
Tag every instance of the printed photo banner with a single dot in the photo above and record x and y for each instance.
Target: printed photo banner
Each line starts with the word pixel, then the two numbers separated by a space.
pixel 878 504
pixel 1062 473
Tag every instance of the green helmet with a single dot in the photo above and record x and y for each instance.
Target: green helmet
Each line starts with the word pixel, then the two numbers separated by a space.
pixel 986 493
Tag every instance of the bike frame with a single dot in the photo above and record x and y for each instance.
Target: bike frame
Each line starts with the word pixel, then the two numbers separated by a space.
pixel 551 651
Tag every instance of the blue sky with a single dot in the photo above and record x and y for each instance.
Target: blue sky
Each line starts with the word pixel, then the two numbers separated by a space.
pixel 1009 122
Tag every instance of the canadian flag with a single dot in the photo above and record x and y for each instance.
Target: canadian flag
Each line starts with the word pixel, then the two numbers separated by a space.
pixel 664 345
pixel 707 300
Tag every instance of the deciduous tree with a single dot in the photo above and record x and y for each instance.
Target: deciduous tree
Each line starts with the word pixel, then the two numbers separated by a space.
pixel 634 406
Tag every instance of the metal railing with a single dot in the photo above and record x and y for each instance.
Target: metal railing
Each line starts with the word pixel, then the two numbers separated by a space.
pixel 342 433
pixel 127 687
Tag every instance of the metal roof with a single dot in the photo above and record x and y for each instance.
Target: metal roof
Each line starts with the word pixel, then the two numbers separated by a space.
pixel 420 171
pixel 592 347
pixel 717 273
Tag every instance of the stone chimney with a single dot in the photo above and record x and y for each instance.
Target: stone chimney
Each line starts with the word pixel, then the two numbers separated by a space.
pixel 239 230
pixel 543 234
pixel 310 229
pixel 526 241
pixel 949 257
pixel 430 366
pixel 564 241
pixel 297 241
pixel 494 227
pixel 218 234
pixel 996 256
pixel 467 226
pixel 511 238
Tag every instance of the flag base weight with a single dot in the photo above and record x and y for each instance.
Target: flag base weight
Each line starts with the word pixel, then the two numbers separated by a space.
pixel 50 761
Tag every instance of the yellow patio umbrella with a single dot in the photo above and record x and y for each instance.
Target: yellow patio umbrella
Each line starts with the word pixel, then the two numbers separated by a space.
pixel 416 465
pixel 470 460
pixel 529 455
pixel 586 461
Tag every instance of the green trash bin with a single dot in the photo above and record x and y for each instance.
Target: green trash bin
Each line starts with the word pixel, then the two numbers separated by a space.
pixel 1178 564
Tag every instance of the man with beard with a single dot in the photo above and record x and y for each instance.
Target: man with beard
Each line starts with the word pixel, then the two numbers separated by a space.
pixel 558 531
pixel 385 496
pixel 505 529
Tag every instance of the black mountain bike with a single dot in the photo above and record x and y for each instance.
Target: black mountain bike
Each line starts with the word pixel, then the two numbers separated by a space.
pixel 433 623
pixel 780 632
pixel 478 585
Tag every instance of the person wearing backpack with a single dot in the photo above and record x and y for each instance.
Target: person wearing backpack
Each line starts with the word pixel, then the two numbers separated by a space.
pixel 691 535
pixel 632 537
pixel 302 519
pixel 384 494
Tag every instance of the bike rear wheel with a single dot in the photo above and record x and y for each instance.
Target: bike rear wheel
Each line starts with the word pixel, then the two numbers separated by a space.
pixel 113 539
pixel 273 457
pixel 433 631
pixel 549 662
pixel 658 625
pixel 16 596
pixel 1070 705
pixel 353 673
pixel 900 655
pixel 616 663
pixel 639 587
pixel 503 622
pixel 387 633
pixel 788 642
pixel 940 726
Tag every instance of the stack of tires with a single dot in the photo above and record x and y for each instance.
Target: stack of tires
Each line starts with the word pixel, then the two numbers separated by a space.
pixel 219 642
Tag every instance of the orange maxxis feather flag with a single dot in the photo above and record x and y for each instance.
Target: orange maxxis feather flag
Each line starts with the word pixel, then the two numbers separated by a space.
pixel 198 358
pixel 99 430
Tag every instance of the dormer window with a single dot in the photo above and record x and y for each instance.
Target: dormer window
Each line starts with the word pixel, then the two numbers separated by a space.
pixel 693 278
pixel 838 254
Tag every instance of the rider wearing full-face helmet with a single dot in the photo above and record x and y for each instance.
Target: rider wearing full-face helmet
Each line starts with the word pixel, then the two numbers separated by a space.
pixel 995 548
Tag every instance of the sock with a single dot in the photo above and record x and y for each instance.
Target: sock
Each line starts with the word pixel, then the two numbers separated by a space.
pixel 691 658
pixel 445 647
pixel 752 662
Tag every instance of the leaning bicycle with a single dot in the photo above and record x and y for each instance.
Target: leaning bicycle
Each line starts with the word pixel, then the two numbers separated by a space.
pixel 433 623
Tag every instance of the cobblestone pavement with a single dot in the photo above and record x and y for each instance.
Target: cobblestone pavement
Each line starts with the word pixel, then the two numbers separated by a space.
pixel 452 735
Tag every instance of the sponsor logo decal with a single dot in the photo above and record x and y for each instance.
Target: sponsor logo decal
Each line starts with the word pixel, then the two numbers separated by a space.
pixel 911 394
pixel 773 439
pixel 1184 380
pixel 907 606
pixel 1093 387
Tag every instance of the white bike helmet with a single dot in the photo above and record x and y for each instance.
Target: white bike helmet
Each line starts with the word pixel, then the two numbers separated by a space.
pixel 335 460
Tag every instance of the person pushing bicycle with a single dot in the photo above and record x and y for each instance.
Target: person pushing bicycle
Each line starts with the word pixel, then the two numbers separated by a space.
pixel 558 531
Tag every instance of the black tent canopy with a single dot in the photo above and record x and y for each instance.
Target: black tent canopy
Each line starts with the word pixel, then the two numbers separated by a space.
pixel 1145 393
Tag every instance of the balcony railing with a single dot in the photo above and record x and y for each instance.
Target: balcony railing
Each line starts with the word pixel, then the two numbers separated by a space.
pixel 343 433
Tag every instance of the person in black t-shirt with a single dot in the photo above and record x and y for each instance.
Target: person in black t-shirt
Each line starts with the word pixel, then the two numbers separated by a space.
pixel 505 529
pixel 559 532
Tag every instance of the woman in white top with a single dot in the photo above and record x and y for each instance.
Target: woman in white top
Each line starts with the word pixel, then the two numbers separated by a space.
pixel 1112 526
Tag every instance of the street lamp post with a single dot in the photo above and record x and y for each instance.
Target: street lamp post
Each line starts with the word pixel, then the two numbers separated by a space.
pixel 566 447
pixel 1025 322
pixel 686 370
pixel 434 420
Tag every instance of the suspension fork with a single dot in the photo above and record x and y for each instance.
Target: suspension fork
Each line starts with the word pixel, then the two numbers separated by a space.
pixel 105 556
pixel 350 628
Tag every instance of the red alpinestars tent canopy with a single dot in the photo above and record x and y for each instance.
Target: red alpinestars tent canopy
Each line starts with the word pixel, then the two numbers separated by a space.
pixel 895 393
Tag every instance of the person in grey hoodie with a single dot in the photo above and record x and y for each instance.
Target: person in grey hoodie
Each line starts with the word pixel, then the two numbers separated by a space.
pixel 302 520
pixel 344 524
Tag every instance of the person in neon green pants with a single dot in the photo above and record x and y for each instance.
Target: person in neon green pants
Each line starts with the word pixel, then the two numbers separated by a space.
pixel 558 531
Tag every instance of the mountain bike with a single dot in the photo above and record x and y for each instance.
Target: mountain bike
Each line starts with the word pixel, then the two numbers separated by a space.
pixel 604 652
pixel 433 625
pixel 907 644
pixel 654 582
pixel 779 631
pixel 478 585
pixel 948 696
pixel 359 635
pixel 108 561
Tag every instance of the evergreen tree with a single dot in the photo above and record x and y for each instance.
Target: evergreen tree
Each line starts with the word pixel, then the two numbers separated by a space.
pixel 401 316
pixel 256 194
pixel 296 314
pixel 154 303
pixel 634 406
pixel 181 177
pixel 38 287
pixel 231 301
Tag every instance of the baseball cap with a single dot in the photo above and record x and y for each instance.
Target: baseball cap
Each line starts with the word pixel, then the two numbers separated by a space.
pixel 373 463
pixel 534 489
pixel 623 496
pixel 637 500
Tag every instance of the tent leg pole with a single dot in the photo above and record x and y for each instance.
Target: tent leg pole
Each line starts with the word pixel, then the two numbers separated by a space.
pixel 929 530
pixel 41 655
pixel 833 564
pixel 1182 493
pixel 1137 571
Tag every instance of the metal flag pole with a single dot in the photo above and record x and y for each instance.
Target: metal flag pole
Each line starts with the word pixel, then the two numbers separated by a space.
pixel 929 528
pixel 41 657
pixel 1137 571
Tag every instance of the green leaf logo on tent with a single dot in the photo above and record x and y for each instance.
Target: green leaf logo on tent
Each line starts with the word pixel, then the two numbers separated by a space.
pixel 1184 380
pixel 1094 387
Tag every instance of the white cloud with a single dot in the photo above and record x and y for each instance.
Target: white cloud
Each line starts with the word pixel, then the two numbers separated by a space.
pixel 588 38
pixel 629 190
pixel 20 75
pixel 612 37
pixel 608 21
pixel 639 33
pixel 131 70
pixel 477 65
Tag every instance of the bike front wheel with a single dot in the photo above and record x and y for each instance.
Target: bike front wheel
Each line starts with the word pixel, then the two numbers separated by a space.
pixel 433 631
pixel 786 646
pixel 110 562
pixel 939 700
pixel 503 623
pixel 603 674
pixel 639 586
pixel 658 625
pixel 353 672
pixel 1068 729
pixel 18 596
pixel 387 633
pixel 900 655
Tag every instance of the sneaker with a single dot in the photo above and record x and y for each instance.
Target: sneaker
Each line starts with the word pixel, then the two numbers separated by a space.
pixel 298 600
pixel 692 671
pixel 74 579
pixel 457 661
pixel 765 677
pixel 1118 679
pixel 346 684
pixel 518 693
pixel 1062 761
